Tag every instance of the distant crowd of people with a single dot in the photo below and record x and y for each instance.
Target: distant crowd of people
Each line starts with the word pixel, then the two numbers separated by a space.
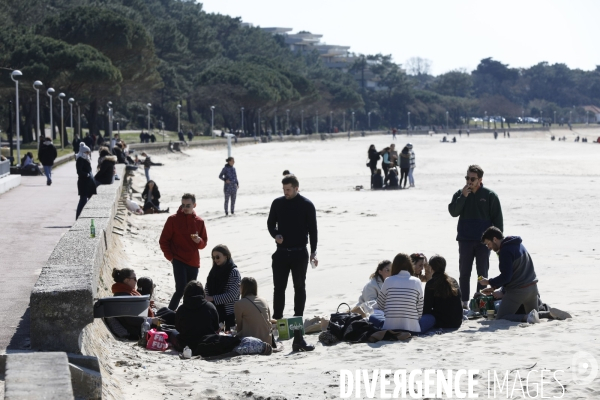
pixel 390 161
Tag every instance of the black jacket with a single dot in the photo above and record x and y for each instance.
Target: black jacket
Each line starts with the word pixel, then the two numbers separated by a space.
pixel 106 170
pixel 448 312
pixel 376 181
pixel 85 182
pixel 76 143
pixel 117 151
pixel 194 319
pixel 373 157
pixel 47 154
pixel 155 195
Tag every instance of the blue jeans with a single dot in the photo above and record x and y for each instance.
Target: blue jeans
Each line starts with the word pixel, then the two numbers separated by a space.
pixel 48 173
pixel 147 172
pixel 183 274
pixel 426 322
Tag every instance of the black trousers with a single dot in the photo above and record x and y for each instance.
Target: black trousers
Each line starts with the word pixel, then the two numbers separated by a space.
pixel 403 175
pixel 468 251
pixel 183 274
pixel 284 262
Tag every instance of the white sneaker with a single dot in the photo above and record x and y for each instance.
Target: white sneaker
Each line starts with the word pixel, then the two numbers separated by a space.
pixel 533 317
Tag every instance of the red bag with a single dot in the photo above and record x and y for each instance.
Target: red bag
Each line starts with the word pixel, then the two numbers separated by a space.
pixel 157 340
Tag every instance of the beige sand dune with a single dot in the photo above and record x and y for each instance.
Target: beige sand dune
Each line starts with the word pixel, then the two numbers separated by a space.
pixel 550 195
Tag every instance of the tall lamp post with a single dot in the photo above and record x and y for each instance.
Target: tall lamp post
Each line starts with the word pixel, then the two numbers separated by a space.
pixel 344 121
pixel 302 120
pixel 242 110
pixel 259 124
pixel 408 120
pixel 212 121
pixel 287 112
pixel 149 106
pixel 50 92
pixel 71 101
pixel 110 131
pixel 36 86
pixel 15 76
pixel 178 120
pixel 352 121
pixel 587 116
pixel 570 115
pixel 369 115
pixel 330 121
pixel 446 121
pixel 317 122
pixel 554 118
pixel 485 119
pixel 79 119
pixel 61 97
pixel 542 117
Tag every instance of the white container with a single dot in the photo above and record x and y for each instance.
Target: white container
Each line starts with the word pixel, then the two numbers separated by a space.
pixel 187 352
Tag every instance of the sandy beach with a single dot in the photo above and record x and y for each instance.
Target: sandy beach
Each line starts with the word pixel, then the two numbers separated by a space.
pixel 549 192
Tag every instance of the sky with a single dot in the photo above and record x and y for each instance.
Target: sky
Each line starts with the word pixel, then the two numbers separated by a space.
pixel 452 34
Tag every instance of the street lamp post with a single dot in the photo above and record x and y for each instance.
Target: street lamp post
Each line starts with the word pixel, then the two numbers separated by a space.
pixel 287 120
pixel 344 121
pixel 302 121
pixel 352 121
pixel 317 122
pixel 79 120
pixel 36 86
pixel 71 101
pixel 570 114
pixel 554 118
pixel 486 119
pixel 446 121
pixel 15 75
pixel 259 124
pixel 587 116
pixel 542 117
pixel 110 131
pixel 409 120
pixel 369 115
pixel 242 110
pixel 330 121
pixel 149 106
pixel 63 134
pixel 178 120
pixel 50 92
pixel 212 121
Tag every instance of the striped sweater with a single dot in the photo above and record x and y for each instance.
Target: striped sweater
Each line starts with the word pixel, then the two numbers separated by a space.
pixel 401 300
pixel 232 292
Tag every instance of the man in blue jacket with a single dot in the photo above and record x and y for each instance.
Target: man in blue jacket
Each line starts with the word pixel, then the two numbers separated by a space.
pixel 478 208
pixel 517 276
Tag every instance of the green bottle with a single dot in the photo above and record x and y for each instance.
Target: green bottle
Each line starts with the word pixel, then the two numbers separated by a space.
pixel 92 230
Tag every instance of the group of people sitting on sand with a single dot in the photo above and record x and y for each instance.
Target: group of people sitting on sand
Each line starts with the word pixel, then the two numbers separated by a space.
pixel 225 304
pixel 391 160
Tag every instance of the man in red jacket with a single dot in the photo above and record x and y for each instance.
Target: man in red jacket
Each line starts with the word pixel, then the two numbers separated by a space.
pixel 183 235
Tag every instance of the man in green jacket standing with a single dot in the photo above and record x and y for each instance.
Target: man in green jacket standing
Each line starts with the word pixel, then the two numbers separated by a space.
pixel 478 208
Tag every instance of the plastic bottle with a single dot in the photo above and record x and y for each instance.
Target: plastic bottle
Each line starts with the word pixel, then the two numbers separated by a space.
pixel 92 230
pixel 187 352
pixel 312 264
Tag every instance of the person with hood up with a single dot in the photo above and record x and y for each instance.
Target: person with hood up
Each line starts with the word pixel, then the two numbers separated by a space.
pixel 106 167
pixel 86 186
pixel 229 176
pixel 47 155
pixel 223 285
pixel 183 235
pixel 196 317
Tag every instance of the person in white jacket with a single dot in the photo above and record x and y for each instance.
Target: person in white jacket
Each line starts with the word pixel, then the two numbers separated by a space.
pixel 372 289
pixel 401 300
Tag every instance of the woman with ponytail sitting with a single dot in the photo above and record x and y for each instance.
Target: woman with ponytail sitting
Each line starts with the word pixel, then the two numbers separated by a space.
pixel 442 296
pixel 125 285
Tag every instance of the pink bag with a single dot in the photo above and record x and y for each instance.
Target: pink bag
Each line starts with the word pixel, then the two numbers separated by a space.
pixel 157 340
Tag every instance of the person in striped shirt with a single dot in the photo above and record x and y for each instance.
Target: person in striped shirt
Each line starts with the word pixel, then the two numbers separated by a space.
pixel 401 300
pixel 223 285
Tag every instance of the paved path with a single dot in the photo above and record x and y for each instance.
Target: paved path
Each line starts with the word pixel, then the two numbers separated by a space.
pixel 33 217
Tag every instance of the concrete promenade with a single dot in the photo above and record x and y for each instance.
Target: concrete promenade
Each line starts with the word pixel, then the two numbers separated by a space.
pixel 33 217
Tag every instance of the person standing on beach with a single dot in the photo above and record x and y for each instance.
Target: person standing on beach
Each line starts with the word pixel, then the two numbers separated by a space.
pixel 292 219
pixel 478 208
pixel 183 235
pixel 413 165
pixel 229 176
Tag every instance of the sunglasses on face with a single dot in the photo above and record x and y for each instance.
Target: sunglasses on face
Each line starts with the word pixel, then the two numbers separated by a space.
pixel 472 178
pixel 216 257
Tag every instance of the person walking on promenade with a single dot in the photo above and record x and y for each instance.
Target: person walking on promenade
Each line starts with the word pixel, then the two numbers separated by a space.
pixel 229 176
pixel 413 165
pixel 292 219
pixel 86 186
pixel 478 208
pixel 183 235
pixel 373 156
pixel 47 155
pixel 76 143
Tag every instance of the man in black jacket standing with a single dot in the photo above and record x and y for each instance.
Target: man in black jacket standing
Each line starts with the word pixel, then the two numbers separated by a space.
pixel 292 218
pixel 47 155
